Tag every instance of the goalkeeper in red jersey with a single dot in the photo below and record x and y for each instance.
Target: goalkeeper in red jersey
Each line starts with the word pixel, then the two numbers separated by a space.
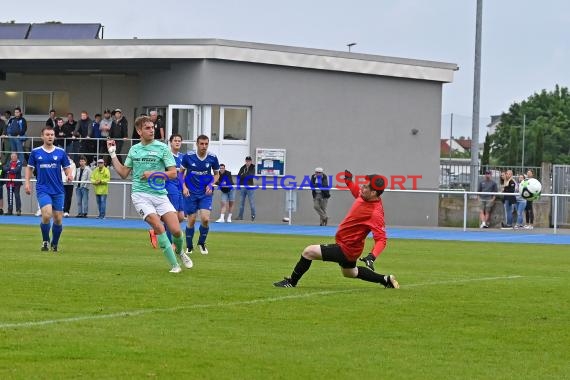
pixel 366 215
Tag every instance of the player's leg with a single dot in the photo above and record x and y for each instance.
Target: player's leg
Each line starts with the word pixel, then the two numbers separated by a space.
pixel 163 243
pixel 44 201
pixel 365 274
pixel 190 209
pixel 205 206
pixel 172 221
pixel 57 227
pixel 310 253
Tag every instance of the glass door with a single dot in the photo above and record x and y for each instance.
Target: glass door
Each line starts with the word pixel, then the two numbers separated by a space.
pixel 183 119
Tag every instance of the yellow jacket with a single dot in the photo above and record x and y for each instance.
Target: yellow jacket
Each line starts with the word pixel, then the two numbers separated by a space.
pixel 100 178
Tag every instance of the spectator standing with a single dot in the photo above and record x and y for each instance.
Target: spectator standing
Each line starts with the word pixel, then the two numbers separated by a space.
pixel 487 185
pixel 68 128
pixel 520 204
pixel 84 131
pixel 83 175
pixel 106 124
pixel 51 121
pixel 227 192
pixel 96 135
pixel 119 131
pixel 3 126
pixel 529 210
pixel 59 133
pixel 1 188
pixel 100 178
pixel 16 128
pixel 158 127
pixel 13 172
pixel 509 198
pixel 245 177
pixel 68 187
pixel 321 194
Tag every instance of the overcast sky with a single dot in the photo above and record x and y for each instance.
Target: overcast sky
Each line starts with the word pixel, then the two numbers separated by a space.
pixel 526 44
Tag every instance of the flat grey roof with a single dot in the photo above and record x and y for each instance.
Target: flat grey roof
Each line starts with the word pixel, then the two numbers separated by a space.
pixel 15 53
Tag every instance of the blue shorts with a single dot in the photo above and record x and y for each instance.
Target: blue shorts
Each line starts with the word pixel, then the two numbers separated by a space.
pixel 195 202
pixel 55 200
pixel 177 201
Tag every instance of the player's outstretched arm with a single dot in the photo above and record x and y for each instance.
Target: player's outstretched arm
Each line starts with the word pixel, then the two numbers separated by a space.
pixel 122 170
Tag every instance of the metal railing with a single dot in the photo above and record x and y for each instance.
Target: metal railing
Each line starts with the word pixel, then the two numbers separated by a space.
pixel 290 212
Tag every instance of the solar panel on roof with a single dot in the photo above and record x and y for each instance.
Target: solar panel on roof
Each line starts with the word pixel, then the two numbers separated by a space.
pixel 64 31
pixel 14 31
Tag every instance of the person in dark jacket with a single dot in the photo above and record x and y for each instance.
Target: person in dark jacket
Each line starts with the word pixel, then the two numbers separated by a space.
pixel 321 194
pixel 16 128
pixel 226 185
pixel 13 173
pixel 119 131
pixel 245 178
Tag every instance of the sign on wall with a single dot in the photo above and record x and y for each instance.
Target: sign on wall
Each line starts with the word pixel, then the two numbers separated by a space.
pixel 270 161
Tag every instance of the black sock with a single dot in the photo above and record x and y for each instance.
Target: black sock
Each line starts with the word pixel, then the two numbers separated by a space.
pixel 370 276
pixel 302 266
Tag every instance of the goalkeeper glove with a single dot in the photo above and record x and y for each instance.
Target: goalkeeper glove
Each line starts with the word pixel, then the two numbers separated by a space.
pixel 112 151
pixel 347 175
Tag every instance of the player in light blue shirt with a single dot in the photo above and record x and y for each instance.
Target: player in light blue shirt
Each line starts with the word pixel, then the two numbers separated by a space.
pixel 200 173
pixel 151 163
pixel 49 160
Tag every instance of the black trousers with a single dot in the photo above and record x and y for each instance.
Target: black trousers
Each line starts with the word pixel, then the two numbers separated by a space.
pixel 68 196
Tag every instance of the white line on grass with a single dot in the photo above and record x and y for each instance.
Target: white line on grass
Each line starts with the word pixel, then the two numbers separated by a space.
pixel 133 313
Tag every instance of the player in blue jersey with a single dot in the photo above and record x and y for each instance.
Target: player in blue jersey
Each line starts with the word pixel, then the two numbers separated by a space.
pixel 48 160
pixel 150 163
pixel 173 186
pixel 200 173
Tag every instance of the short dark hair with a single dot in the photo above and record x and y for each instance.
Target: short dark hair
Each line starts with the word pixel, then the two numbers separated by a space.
pixel 377 183
pixel 172 136
pixel 202 137
pixel 18 109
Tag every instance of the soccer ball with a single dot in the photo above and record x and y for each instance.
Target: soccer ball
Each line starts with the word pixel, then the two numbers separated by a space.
pixel 530 189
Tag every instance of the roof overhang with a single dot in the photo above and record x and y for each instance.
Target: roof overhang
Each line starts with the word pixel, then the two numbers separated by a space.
pixel 83 54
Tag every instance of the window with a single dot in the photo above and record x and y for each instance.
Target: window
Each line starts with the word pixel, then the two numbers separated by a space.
pixel 10 100
pixel 37 103
pixel 235 123
pixel 215 131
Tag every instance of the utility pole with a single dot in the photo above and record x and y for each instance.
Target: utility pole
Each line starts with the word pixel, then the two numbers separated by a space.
pixel 476 97
pixel 523 132
pixel 450 138
pixel 350 45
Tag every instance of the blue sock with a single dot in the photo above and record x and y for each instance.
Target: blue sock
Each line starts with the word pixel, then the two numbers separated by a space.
pixel 189 237
pixel 45 231
pixel 56 233
pixel 168 234
pixel 203 234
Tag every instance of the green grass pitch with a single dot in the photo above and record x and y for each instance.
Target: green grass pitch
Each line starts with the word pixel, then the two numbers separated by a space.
pixel 107 308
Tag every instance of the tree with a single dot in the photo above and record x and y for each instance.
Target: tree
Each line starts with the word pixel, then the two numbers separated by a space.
pixel 486 151
pixel 547 130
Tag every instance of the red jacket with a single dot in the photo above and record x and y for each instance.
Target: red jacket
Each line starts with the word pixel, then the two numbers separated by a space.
pixel 364 217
